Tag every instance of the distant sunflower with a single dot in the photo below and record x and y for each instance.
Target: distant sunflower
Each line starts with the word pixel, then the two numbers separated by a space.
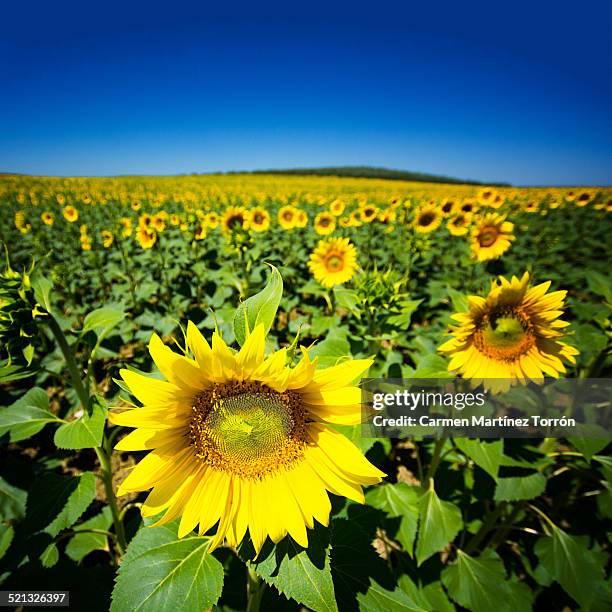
pixel 531 206
pixel 287 217
pixel 491 236
pixel 47 218
pixel 583 198
pixel 427 218
pixel 333 262
pixel 486 195
pixel 512 334
pixel 159 221
pixel 212 220
pixel 71 214
pixel 107 238
pixel 458 225
pixel 448 206
pixel 126 226
pixel 497 201
pixel 324 223
pixel 235 218
pixel 146 237
pixel 301 218
pixel 337 207
pixel 243 441
pixel 468 206
pixel 200 233
pixel 136 205
pixel 175 220
pixel 260 219
pixel 368 213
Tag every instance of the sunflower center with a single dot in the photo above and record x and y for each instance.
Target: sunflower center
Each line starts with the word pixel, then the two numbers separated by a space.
pixel 426 219
pixel 488 236
pixel 247 428
pixel 334 263
pixel 504 334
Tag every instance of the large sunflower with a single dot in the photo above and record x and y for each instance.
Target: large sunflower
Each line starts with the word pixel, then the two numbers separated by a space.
pixel 512 334
pixel 334 261
pixel 491 236
pixel 242 441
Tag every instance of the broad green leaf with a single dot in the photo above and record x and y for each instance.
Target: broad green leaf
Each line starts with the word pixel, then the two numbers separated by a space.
pixel 103 320
pixel 334 348
pixel 161 572
pixel 606 463
pixel 399 500
pixel 589 446
pixel 50 556
pixel 301 574
pixel 56 502
pixel 84 432
pixel 568 560
pixel 520 487
pixel 599 284
pixel 27 416
pixel 356 567
pixel 259 308
pixel 458 299
pixel 479 584
pixel 42 291
pixel 12 501
pixel 486 455
pixel 439 523
pixel 379 599
pixel 6 537
pixel 83 543
pixel 430 597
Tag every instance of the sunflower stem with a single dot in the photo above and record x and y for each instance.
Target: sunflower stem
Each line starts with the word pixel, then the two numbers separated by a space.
pixel 435 460
pixel 255 591
pixel 79 387
pixel 77 382
pixel 107 477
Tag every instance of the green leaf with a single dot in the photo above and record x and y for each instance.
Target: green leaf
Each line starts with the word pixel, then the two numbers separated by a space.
pixel 334 348
pixel 439 523
pixel 459 300
pixel 6 537
pixel 56 502
pixel 568 560
pixel 520 487
pixel 606 463
pixel 84 432
pixel 379 599
pixel 50 556
pixel 589 446
pixel 600 284
pixel 487 455
pixel 161 572
pixel 27 416
pixel 259 308
pixel 479 584
pixel 301 574
pixel 103 320
pixel 83 543
pixel 399 500
pixel 42 291
pixel 12 501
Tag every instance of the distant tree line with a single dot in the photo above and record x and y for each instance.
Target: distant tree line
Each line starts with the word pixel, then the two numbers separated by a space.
pixel 368 172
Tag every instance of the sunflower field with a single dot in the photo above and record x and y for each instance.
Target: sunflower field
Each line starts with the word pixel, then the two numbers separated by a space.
pixel 180 360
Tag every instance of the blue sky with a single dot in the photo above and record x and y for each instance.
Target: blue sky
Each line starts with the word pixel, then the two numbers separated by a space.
pixel 521 93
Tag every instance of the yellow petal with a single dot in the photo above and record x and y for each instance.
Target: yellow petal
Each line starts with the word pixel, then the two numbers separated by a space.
pixel 179 370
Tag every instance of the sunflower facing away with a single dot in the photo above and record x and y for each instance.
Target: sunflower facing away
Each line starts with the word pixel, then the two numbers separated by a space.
pixel 491 236
pixel 333 262
pixel 512 334
pixel 242 441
